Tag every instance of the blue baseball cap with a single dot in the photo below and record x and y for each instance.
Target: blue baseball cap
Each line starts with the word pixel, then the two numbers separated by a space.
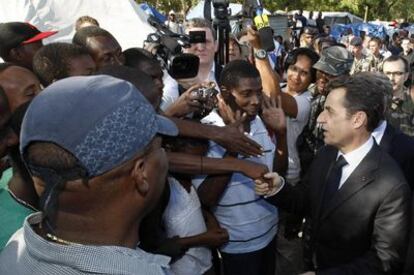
pixel 103 121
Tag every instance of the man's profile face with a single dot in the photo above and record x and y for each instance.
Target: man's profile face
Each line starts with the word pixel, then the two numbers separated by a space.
pixel 247 97
pixel 322 79
pixel 154 70
pixel 155 170
pixel 105 50
pixel 205 51
pixel 299 74
pixel 20 85
pixel 81 65
pixel 27 52
pixel 335 121
pixel 395 71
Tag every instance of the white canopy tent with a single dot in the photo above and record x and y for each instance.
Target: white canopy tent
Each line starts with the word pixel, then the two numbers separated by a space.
pixel 198 10
pixel 123 18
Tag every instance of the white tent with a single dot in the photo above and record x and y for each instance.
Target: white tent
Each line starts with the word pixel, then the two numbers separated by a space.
pixel 123 18
pixel 198 10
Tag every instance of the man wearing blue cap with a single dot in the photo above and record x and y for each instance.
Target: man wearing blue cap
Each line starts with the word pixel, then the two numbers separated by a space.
pixel 98 171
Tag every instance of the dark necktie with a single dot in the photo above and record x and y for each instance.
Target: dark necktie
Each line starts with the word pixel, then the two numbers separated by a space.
pixel 333 180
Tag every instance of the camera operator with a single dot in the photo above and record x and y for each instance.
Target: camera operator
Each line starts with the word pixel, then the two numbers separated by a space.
pixel 207 71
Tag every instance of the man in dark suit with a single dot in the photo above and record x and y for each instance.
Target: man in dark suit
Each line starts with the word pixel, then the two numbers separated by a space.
pixel 355 196
pixel 400 147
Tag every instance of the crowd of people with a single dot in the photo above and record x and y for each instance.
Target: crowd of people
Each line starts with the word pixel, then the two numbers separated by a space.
pixel 295 161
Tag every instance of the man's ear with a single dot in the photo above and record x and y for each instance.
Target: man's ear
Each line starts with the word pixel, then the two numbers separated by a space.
pixel 138 175
pixel 360 119
pixel 406 75
pixel 15 54
pixel 225 93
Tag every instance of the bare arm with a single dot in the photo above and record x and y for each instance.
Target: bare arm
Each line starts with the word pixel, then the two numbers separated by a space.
pixel 198 165
pixel 275 120
pixel 228 136
pixel 270 80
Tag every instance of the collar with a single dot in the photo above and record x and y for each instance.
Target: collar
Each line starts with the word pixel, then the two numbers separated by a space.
pixel 378 133
pixel 402 94
pixel 89 258
pixel 355 157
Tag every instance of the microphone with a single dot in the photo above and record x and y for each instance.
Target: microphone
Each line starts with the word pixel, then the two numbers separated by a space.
pixel 265 31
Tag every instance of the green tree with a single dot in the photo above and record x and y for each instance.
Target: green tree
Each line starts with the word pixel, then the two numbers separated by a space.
pixel 381 9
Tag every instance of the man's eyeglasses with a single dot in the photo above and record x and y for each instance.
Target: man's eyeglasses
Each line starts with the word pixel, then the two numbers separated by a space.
pixel 394 73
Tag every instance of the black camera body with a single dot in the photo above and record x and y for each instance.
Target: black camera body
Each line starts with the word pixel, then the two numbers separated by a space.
pixel 169 50
pixel 221 9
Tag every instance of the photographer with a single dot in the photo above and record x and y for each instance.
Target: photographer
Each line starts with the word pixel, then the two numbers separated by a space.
pixel 207 70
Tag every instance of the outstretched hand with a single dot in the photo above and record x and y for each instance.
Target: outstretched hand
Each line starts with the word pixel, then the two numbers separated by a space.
pixel 232 136
pixel 272 114
pixel 269 185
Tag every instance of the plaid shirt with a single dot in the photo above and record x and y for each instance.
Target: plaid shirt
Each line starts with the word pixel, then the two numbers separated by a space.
pixel 28 253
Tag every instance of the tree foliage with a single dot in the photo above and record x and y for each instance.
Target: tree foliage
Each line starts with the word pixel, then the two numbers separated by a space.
pixel 377 9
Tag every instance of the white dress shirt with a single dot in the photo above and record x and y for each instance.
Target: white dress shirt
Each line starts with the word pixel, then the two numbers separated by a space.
pixel 378 133
pixel 353 159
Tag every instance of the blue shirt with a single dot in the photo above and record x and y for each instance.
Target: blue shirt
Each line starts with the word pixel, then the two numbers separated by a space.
pixel 249 219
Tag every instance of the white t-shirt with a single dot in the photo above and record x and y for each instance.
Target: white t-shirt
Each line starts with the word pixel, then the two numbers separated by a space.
pixel 170 92
pixel 183 217
pixel 294 129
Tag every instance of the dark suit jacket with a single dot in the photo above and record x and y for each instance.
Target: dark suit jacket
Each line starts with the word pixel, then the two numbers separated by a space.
pixel 401 148
pixel 409 264
pixel 364 229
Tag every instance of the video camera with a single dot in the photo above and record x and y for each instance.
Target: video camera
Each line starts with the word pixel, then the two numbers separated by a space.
pixel 169 49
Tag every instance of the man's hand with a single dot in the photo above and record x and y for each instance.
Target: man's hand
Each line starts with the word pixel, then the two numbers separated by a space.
pixel 254 38
pixel 269 185
pixel 187 83
pixel 226 113
pixel 187 103
pixel 273 115
pixel 172 248
pixel 254 170
pixel 232 136
pixel 216 237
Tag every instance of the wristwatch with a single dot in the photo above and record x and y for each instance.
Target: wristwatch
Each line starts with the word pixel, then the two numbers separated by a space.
pixel 260 54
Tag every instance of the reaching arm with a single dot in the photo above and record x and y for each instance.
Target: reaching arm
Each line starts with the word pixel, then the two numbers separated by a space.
pixel 270 80
pixel 228 136
pixel 199 165
pixel 275 120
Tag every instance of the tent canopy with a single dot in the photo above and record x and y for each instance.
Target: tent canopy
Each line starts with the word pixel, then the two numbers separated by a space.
pixel 123 18
pixel 198 10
